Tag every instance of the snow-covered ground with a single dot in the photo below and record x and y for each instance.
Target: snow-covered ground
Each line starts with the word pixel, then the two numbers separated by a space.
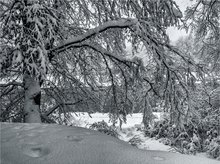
pixel 129 130
pixel 84 120
pixel 146 143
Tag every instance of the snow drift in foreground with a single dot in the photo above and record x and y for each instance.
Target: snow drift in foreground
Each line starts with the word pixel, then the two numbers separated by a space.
pixel 24 143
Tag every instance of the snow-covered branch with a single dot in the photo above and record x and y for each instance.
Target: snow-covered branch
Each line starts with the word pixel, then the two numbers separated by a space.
pixel 12 83
pixel 121 23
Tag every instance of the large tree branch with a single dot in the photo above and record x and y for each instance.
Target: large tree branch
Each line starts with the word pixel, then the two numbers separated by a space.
pixel 121 23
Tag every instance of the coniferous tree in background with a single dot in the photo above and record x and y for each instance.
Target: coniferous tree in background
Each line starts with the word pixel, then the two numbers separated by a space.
pixel 203 19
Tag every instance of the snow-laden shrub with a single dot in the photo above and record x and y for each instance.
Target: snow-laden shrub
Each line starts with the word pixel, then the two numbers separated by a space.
pixel 160 130
pixel 213 149
pixel 197 136
pixel 191 148
pixel 166 141
pixel 176 137
pixel 135 141
pixel 103 127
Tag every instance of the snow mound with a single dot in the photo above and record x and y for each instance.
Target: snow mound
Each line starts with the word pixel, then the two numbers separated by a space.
pixel 50 143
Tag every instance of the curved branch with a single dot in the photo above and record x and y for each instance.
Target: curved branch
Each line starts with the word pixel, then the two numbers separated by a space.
pixel 121 23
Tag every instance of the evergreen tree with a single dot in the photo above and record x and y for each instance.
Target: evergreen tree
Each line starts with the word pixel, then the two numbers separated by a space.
pixel 80 43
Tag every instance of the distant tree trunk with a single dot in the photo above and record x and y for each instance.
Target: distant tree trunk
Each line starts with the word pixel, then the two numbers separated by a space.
pixel 147 114
pixel 172 111
pixel 32 99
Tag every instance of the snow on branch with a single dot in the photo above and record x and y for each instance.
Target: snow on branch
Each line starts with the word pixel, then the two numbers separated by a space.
pixel 11 83
pixel 121 23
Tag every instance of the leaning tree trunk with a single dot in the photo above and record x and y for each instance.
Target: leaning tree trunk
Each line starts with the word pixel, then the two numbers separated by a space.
pixel 32 99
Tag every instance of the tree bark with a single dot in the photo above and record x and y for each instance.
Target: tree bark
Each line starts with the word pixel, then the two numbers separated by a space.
pixel 148 113
pixel 32 99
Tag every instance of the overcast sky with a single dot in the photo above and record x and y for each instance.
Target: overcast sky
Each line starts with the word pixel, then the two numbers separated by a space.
pixel 174 33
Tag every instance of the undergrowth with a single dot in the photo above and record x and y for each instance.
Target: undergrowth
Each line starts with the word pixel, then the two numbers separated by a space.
pixel 103 127
pixel 189 139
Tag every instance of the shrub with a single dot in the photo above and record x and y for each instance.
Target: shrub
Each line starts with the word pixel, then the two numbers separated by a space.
pixel 134 141
pixel 213 149
pixel 189 139
pixel 103 127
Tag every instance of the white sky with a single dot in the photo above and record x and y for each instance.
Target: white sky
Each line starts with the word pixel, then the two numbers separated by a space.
pixel 173 32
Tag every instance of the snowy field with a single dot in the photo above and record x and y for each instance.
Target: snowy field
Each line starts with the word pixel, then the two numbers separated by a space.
pixel 84 120
pixel 129 130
